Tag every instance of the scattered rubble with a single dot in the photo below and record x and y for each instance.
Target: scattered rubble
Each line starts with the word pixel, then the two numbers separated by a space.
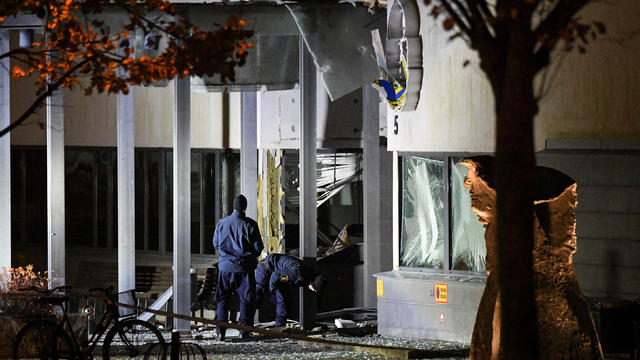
pixel 271 348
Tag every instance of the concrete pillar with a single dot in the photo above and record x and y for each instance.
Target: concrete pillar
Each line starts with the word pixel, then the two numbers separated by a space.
pixel 371 191
pixel 181 201
pixel 5 154
pixel 126 192
pixel 308 195
pixel 396 210
pixel 248 152
pixel 55 189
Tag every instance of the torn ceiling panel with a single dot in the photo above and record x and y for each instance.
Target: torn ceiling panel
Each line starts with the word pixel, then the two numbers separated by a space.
pixel 339 39
pixel 338 36
pixel 262 18
pixel 272 64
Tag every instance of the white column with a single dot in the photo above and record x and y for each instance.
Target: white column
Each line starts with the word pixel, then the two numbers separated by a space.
pixel 55 189
pixel 248 152
pixel 371 191
pixel 5 154
pixel 308 196
pixel 396 211
pixel 181 201
pixel 126 192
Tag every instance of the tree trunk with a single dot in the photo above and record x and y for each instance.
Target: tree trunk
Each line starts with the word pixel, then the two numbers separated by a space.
pixel 514 169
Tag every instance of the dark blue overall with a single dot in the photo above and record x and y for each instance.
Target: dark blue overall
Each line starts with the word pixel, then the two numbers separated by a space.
pixel 278 274
pixel 237 240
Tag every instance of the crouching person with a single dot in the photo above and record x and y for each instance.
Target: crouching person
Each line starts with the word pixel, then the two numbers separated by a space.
pixel 278 274
pixel 237 240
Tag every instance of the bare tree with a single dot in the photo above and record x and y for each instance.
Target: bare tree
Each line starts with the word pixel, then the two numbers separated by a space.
pixel 514 40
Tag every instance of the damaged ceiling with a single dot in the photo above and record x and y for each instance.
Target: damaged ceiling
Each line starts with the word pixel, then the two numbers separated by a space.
pixel 339 39
pixel 337 35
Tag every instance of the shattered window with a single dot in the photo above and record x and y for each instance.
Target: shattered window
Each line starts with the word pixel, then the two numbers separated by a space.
pixel 468 247
pixel 423 232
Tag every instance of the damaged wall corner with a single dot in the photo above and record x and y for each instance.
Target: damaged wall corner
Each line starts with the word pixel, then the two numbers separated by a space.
pixel 270 200
pixel 565 325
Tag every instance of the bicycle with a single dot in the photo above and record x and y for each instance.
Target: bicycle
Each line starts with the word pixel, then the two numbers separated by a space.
pixel 46 338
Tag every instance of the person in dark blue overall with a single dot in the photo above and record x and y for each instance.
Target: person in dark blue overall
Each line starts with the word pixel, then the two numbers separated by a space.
pixel 238 242
pixel 278 274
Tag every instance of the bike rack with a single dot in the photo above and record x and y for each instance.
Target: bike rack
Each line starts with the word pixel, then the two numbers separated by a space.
pixel 176 349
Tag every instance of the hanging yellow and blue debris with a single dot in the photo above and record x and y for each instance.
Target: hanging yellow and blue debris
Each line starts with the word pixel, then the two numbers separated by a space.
pixel 394 91
pixel 390 87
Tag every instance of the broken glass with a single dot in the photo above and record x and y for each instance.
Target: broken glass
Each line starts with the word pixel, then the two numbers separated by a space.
pixel 468 247
pixel 422 242
pixel 334 172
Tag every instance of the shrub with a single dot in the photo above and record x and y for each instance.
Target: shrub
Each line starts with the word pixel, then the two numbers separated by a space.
pixel 20 303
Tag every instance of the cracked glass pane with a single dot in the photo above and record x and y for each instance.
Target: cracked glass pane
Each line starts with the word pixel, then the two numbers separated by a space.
pixel 468 247
pixel 422 242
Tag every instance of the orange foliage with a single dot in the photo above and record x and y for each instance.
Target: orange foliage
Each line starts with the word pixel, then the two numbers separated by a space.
pixel 13 301
pixel 78 44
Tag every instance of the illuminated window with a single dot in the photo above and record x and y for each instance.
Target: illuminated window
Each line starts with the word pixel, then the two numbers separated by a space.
pixel 439 230
pixel 468 247
pixel 422 213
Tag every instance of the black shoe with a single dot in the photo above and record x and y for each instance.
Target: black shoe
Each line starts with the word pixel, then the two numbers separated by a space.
pixel 220 337
pixel 244 337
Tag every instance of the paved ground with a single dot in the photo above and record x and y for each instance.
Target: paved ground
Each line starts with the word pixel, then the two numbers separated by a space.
pixel 290 349
pixel 281 349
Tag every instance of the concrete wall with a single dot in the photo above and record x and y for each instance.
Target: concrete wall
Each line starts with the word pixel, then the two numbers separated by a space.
pixel 591 96
pixel 339 123
pixel 608 219
pixel 91 120
pixel 591 99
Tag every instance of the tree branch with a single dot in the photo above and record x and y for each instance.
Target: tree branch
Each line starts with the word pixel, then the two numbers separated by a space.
pixel 456 18
pixel 558 19
pixel 464 13
pixel 151 23
pixel 482 4
pixel 542 58
pixel 22 51
pixel 479 25
pixel 38 101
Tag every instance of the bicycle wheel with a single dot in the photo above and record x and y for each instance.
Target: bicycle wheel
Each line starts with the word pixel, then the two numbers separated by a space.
pixel 42 340
pixel 132 338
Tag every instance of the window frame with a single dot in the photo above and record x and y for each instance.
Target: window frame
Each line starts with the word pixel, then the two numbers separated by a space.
pixel 111 220
pixel 445 157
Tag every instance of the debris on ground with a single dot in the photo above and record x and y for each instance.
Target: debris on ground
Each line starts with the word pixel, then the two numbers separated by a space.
pixel 274 348
pixel 356 328
pixel 357 325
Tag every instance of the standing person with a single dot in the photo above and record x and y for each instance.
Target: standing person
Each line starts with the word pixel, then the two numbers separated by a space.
pixel 238 242
pixel 280 273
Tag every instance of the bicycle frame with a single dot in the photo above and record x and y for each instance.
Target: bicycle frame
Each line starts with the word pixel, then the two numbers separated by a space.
pixel 108 318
